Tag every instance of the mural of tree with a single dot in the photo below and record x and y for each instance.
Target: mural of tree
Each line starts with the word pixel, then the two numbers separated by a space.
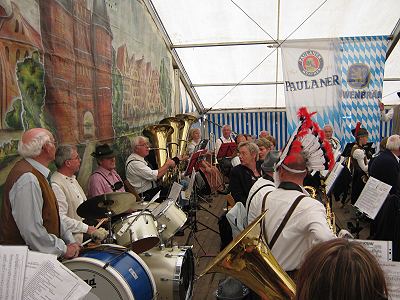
pixel 165 86
pixel 30 76
pixel 14 115
pixel 117 100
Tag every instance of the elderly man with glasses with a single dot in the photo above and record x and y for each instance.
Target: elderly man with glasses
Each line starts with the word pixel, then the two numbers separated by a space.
pixel 139 173
pixel 68 191
pixel 104 179
pixel 29 210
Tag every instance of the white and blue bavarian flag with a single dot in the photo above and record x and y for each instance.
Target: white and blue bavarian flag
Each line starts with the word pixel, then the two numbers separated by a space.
pixel 340 78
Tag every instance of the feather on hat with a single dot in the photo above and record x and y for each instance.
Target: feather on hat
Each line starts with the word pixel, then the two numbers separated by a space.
pixel 309 140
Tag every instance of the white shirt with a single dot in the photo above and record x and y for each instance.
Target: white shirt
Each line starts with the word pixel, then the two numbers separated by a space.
pixel 218 143
pixel 254 207
pixel 306 227
pixel 359 156
pixel 139 174
pixel 68 202
pixel 191 146
pixel 27 203
pixel 387 116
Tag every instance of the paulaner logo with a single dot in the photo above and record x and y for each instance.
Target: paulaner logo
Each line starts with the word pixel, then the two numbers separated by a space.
pixel 310 63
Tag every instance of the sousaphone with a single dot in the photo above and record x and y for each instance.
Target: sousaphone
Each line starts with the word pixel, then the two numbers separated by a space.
pixel 249 260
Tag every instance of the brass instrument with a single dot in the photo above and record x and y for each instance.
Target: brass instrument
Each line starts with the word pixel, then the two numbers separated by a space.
pixel 311 190
pixel 249 260
pixel 330 215
pixel 158 136
pixel 173 139
pixel 214 157
pixel 189 121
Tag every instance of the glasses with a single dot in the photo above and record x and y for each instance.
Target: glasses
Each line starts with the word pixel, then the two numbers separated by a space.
pixel 75 158
pixel 144 145
pixel 52 142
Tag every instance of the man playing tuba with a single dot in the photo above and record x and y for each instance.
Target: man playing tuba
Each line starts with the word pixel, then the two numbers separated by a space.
pixel 138 172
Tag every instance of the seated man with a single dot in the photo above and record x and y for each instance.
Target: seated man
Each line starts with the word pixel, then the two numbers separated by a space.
pixel 138 172
pixel 29 210
pixel 224 162
pixel 68 191
pixel 335 144
pixel 104 179
pixel 306 226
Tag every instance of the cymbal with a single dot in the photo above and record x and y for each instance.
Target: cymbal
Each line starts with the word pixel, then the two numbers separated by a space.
pixel 98 206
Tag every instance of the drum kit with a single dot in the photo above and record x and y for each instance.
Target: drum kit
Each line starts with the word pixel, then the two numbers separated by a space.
pixel 135 264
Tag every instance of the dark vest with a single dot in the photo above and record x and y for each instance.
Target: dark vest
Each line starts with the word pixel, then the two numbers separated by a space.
pixel 9 232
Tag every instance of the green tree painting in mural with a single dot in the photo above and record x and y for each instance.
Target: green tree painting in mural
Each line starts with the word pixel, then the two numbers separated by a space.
pixel 117 97
pixel 29 113
pixel 165 86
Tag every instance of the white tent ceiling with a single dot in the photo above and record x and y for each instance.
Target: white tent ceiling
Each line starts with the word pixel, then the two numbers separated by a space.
pixel 228 48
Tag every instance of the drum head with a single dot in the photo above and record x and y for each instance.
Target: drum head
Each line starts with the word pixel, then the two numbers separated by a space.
pixel 162 208
pixel 186 275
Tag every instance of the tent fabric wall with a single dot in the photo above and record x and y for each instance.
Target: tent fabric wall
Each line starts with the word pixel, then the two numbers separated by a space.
pixel 252 122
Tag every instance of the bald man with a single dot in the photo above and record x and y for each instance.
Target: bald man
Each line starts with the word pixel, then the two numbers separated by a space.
pixel 29 212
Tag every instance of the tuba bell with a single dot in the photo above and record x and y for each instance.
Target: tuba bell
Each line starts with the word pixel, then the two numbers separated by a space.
pixel 189 121
pixel 249 260
pixel 173 139
pixel 158 136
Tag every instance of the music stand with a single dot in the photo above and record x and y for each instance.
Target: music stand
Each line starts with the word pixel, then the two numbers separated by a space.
pixel 226 150
pixel 193 161
pixel 202 145
pixel 347 150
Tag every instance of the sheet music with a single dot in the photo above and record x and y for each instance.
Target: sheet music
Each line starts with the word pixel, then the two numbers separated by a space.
pixel 337 169
pixel 189 190
pixel 392 274
pixel 372 197
pixel 12 265
pixel 34 261
pixel 53 280
pixel 175 191
pixel 382 250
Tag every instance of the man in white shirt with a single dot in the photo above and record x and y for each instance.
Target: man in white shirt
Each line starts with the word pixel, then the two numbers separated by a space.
pixel 307 225
pixel 138 172
pixel 225 162
pixel 392 113
pixel 29 212
pixel 262 186
pixel 68 191
pixel 335 144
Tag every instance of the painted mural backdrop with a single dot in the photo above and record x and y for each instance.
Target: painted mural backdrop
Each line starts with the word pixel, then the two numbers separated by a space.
pixel 88 70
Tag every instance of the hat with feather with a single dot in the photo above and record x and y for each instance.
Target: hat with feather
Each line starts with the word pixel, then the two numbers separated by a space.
pixel 309 141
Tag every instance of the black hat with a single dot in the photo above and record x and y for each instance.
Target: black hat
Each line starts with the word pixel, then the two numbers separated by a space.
pixel 103 151
pixel 361 132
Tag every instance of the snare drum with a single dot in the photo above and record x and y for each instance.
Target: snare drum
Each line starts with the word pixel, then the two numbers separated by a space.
pixel 141 235
pixel 170 218
pixel 173 271
pixel 114 273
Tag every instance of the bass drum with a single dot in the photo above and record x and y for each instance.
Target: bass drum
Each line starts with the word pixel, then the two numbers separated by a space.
pixel 173 271
pixel 114 272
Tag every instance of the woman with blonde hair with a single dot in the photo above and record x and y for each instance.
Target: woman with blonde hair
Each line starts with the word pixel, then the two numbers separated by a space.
pixel 340 269
pixel 194 139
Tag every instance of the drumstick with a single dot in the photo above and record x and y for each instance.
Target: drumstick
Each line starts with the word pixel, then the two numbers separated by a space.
pixel 97 226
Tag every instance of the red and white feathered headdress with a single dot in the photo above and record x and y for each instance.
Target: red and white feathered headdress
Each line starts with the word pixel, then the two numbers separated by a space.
pixel 309 140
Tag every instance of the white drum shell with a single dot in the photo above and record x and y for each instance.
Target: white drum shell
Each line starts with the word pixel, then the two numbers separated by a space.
pixel 170 218
pixel 166 266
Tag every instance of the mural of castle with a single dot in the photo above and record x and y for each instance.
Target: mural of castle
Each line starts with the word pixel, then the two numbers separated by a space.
pixel 141 90
pixel 18 39
pixel 78 61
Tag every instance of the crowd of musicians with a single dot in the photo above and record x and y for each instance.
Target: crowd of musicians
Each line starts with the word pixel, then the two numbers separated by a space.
pixel 39 209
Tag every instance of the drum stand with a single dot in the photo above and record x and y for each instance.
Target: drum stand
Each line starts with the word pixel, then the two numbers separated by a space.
pixel 193 222
pixel 109 239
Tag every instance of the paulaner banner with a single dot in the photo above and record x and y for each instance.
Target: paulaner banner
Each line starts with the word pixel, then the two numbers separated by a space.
pixel 341 79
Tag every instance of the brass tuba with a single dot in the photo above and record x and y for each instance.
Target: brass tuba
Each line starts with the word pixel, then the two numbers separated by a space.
pixel 189 121
pixel 249 260
pixel 173 139
pixel 158 136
